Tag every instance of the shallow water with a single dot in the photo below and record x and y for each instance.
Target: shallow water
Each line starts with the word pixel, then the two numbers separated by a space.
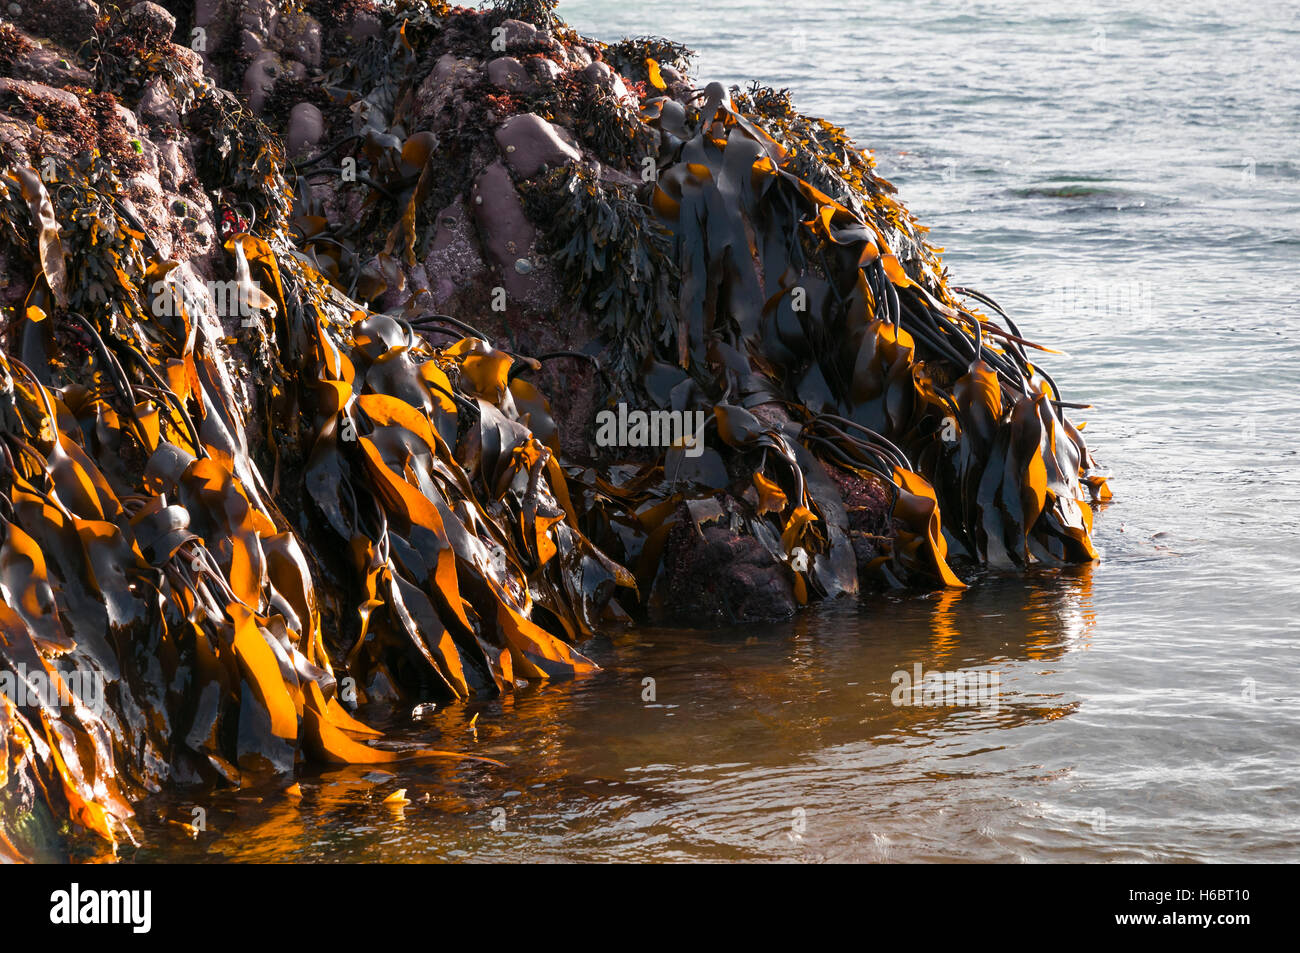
pixel 1126 183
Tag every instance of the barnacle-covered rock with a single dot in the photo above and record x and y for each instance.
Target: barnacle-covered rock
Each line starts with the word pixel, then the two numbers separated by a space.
pixel 530 145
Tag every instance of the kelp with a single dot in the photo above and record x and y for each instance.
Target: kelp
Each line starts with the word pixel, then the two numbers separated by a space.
pixel 180 585
pixel 840 307
pixel 614 255
pixel 631 56
pixel 242 525
pixel 140 543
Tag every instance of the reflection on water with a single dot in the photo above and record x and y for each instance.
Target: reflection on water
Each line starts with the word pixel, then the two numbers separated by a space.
pixel 752 743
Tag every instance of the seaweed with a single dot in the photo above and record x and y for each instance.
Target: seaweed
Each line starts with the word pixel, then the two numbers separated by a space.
pixel 867 335
pixel 539 13
pixel 240 156
pixel 629 55
pixel 244 524
pixel 606 124
pixel 613 255
pixel 13 46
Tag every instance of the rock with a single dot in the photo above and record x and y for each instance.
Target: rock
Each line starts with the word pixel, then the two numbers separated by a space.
pixel 157 104
pixel 127 119
pixel 543 69
pixel 713 574
pixel 69 23
pixel 507 233
pixel 149 19
pixel 448 79
pixel 519 36
pixel 453 260
pixel 210 17
pixel 306 126
pixel 364 26
pixel 260 77
pixel 188 60
pixel 600 74
pixel 508 73
pixel 13 136
pixel 301 39
pixel 259 17
pixel 149 203
pixel 251 43
pixel 39 92
pixel 42 65
pixel 173 169
pixel 614 176
pixel 529 143
pixel 206 12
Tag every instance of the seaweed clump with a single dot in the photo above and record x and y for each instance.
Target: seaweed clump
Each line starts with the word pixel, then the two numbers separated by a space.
pixel 304 458
pixel 12 46
pixel 630 55
pixel 539 13
pixel 614 256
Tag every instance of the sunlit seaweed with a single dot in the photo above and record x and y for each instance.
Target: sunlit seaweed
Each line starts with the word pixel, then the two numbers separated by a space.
pixel 384 517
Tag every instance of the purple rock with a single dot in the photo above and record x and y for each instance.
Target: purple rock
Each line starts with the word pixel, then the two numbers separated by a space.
pixel 529 143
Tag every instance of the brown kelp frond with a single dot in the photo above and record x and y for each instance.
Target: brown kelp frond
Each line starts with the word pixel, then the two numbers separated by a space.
pixel 144 550
pixel 278 438
pixel 825 156
pixel 816 286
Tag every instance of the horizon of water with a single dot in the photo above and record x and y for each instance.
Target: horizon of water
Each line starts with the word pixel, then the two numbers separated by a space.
pixel 1126 183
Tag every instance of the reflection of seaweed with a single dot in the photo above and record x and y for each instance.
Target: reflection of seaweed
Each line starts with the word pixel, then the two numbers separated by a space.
pixel 613 256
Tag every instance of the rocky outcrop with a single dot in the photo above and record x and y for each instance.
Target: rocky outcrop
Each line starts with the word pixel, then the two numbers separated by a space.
pixel 386 354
